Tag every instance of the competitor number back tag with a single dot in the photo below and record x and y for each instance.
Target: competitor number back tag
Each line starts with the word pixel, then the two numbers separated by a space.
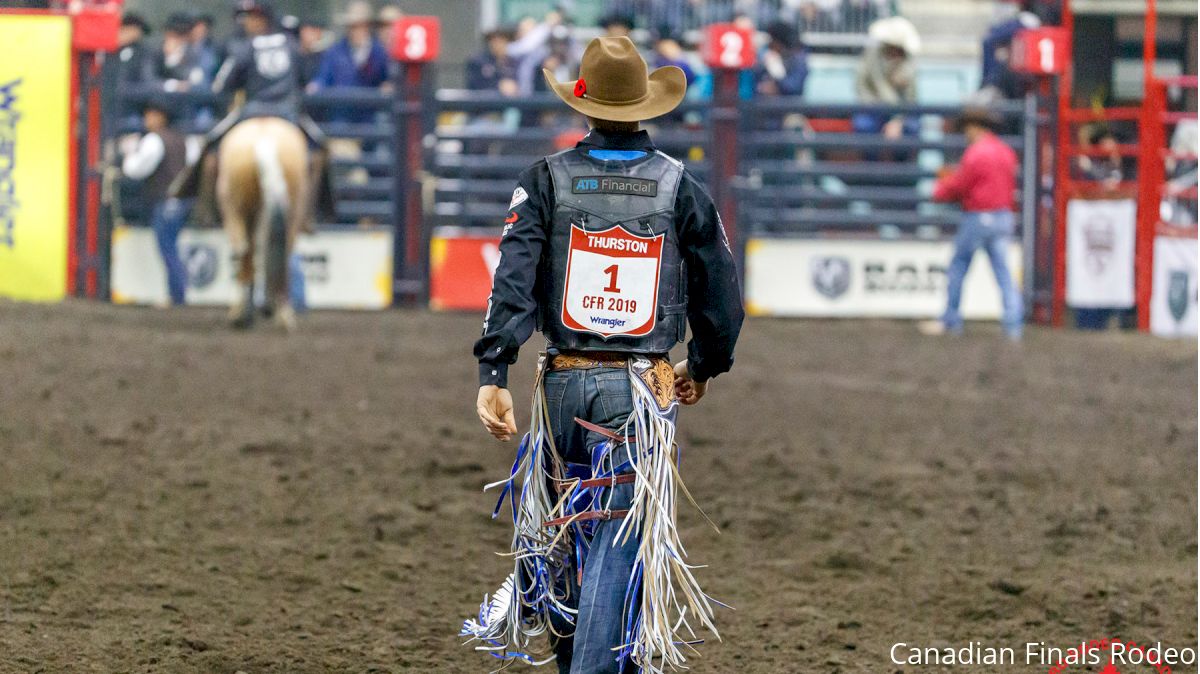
pixel 612 282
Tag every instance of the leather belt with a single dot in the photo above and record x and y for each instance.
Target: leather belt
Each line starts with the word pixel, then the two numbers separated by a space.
pixel 586 360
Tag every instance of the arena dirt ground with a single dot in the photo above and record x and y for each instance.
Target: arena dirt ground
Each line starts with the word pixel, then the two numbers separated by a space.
pixel 178 498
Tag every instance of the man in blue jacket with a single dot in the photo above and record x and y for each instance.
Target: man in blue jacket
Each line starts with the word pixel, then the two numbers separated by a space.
pixel 357 60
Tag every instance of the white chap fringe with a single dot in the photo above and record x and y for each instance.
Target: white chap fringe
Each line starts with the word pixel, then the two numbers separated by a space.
pixel 664 605
pixel 672 602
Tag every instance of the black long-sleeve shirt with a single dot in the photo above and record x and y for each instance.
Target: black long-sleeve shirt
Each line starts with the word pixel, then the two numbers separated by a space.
pixel 714 304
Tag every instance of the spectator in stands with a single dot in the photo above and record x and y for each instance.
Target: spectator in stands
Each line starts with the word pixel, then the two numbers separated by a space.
pixel 133 54
pixel 674 17
pixel 202 45
pixel 1106 168
pixel 617 24
pixel 1181 165
pixel 997 50
pixel 887 75
pixel 668 52
pixel 783 66
pixel 310 37
pixel 357 60
pixel 560 56
pixel 984 183
pixel 384 20
pixel 174 66
pixel 529 41
pixel 493 69
pixel 159 156
pixel 820 16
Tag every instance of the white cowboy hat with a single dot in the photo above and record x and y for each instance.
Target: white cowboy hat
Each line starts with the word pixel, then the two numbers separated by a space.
pixel 357 12
pixel 896 31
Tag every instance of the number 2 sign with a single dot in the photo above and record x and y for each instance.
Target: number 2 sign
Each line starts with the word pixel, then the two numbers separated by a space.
pixel 729 46
pixel 416 39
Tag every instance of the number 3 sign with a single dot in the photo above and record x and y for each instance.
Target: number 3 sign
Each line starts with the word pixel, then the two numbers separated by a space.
pixel 729 46
pixel 416 39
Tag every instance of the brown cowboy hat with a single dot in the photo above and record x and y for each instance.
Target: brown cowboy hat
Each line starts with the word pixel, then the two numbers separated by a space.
pixel 613 84
pixel 979 116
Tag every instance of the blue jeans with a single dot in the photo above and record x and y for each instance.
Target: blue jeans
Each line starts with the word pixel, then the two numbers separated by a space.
pixel 992 231
pixel 601 396
pixel 296 284
pixel 167 220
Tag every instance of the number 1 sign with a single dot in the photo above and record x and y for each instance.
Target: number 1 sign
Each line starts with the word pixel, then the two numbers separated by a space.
pixel 1040 51
pixel 729 46
pixel 416 39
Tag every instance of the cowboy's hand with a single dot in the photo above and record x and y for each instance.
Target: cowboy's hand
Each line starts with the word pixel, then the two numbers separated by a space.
pixel 687 390
pixel 495 408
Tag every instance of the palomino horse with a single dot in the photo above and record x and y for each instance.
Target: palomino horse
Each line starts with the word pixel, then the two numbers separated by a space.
pixel 262 187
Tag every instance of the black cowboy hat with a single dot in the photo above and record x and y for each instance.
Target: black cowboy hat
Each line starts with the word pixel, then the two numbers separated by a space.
pixel 261 7
pixel 179 23
pixel 617 19
pixel 135 19
pixel 786 34
pixel 160 105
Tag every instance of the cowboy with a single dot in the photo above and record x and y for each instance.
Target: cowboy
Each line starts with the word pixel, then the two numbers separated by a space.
pixel 265 65
pixel 609 247
pixel 160 154
pixel 984 184
pixel 887 75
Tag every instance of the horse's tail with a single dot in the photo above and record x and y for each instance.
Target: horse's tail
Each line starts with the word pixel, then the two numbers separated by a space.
pixel 274 189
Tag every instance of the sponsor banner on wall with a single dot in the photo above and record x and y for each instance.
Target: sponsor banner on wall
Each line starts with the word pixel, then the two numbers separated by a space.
pixel 462 263
pixel 896 279
pixel 35 76
pixel 350 269
pixel 1173 293
pixel 1100 242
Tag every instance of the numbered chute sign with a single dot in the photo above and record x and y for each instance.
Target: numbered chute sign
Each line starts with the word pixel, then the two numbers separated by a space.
pixel 1041 51
pixel 612 282
pixel 416 39
pixel 729 46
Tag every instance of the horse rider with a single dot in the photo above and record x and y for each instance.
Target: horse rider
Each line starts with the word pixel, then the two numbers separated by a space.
pixel 611 249
pixel 265 64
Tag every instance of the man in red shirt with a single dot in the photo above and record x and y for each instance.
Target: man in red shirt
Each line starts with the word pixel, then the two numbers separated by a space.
pixel 984 184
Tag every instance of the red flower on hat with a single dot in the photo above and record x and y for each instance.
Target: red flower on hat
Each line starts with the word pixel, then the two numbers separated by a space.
pixel 580 88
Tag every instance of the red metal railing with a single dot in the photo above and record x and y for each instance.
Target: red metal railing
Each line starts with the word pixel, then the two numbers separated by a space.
pixel 1150 151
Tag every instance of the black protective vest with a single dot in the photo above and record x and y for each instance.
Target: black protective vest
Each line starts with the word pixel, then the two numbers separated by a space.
pixel 602 288
pixel 267 67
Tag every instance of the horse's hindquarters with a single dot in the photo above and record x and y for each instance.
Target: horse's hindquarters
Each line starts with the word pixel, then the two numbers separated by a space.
pixel 262 188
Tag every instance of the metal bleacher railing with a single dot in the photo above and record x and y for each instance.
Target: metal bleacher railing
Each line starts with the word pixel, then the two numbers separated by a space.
pixel 805 171
pixel 777 166
pixel 801 172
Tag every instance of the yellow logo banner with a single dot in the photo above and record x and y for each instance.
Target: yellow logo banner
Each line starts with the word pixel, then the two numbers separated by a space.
pixel 35 82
